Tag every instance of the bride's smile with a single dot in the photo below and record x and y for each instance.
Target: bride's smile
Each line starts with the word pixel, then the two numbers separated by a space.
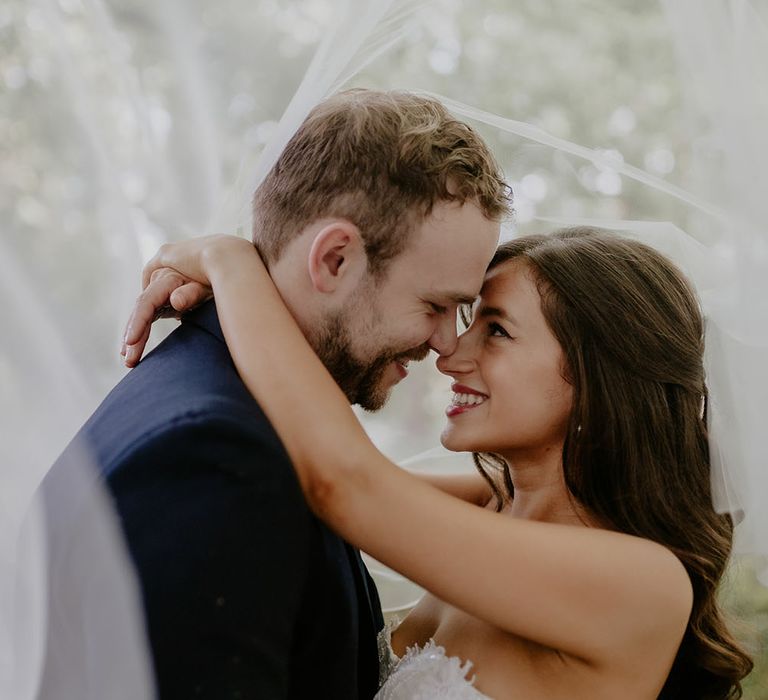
pixel 464 399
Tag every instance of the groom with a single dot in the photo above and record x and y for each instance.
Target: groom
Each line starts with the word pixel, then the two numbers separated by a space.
pixel 378 219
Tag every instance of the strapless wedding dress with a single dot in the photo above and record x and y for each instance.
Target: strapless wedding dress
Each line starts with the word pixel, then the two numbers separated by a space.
pixel 423 673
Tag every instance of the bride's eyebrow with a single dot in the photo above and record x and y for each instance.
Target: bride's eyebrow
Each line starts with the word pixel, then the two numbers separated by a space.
pixel 485 311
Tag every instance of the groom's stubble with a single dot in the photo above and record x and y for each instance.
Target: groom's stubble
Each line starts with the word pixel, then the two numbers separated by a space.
pixel 360 378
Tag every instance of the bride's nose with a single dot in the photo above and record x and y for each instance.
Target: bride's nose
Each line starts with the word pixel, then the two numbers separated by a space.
pixel 461 360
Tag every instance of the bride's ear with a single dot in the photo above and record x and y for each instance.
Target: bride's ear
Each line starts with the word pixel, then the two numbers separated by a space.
pixel 337 258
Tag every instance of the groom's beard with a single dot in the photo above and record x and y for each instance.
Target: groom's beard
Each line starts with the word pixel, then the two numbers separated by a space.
pixel 360 380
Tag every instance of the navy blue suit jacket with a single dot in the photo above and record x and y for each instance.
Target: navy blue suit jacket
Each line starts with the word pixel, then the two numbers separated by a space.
pixel 246 593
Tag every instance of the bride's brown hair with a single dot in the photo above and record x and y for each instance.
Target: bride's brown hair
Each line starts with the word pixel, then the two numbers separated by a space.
pixel 636 452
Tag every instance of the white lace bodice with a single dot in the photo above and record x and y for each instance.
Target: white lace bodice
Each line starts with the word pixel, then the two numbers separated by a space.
pixel 424 673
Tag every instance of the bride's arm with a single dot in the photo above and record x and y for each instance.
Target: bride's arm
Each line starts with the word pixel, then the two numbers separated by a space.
pixel 574 589
pixel 471 488
pixel 169 293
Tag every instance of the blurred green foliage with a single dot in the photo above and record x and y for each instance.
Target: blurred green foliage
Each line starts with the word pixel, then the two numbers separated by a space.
pixel 747 602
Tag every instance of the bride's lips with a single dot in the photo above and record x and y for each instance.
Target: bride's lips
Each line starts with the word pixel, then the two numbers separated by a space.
pixel 456 409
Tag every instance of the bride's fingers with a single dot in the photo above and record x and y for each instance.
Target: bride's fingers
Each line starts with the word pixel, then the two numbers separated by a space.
pixel 134 352
pixel 152 300
pixel 168 294
pixel 155 265
pixel 189 295
pixel 189 257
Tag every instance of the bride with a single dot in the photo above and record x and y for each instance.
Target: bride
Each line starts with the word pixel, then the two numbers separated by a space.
pixel 593 568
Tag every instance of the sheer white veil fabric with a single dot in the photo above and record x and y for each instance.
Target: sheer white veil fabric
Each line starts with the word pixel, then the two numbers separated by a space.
pixel 723 53
pixel 85 638
pixel 71 626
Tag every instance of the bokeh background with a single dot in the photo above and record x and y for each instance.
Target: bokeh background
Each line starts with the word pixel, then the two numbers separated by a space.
pixel 126 123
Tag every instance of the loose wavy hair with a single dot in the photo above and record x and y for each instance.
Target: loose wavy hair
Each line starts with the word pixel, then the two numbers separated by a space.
pixel 636 452
pixel 381 160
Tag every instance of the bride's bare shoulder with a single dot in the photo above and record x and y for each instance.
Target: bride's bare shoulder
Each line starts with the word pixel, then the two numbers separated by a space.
pixel 647 599
pixel 675 592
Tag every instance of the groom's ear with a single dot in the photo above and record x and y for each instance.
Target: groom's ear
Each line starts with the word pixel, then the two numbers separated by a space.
pixel 337 258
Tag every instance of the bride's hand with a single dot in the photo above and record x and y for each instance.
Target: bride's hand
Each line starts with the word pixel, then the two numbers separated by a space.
pixel 168 295
pixel 176 280
pixel 198 258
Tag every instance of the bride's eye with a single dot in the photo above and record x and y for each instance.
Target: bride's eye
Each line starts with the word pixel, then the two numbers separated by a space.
pixel 496 331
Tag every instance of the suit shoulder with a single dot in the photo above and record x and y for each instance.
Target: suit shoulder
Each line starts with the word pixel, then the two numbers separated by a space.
pixel 187 395
pixel 209 438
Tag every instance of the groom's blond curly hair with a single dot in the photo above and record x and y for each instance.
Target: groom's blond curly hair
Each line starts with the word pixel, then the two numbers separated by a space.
pixel 381 160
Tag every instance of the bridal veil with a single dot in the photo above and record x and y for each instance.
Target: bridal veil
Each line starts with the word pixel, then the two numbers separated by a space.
pixel 127 124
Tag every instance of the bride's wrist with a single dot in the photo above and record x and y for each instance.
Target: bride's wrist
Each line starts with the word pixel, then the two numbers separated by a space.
pixel 226 255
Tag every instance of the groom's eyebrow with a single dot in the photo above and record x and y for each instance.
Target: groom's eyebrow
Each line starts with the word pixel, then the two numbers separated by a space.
pixel 459 298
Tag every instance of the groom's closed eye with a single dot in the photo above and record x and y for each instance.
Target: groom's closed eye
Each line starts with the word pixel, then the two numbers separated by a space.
pixel 437 308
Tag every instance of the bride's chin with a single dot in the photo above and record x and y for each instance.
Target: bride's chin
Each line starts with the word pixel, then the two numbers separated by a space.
pixel 453 442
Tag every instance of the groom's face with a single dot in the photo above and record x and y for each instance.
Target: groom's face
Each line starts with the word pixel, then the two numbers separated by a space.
pixel 412 309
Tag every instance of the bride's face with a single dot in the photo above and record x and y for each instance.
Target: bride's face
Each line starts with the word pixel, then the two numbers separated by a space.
pixel 510 396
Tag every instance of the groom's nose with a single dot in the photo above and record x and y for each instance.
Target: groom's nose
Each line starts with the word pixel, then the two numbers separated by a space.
pixel 444 339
